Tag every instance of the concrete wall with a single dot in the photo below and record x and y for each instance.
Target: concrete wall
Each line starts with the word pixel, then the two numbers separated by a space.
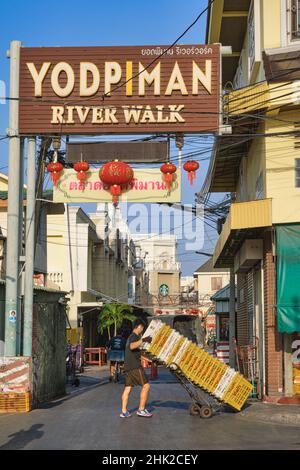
pixel 251 168
pixel 49 343
pixel 158 278
pixel 2 317
pixel 280 170
pixel 271 28
pixel 204 282
pixel 49 347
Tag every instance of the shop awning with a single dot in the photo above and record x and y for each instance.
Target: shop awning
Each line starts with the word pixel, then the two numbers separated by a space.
pixel 288 278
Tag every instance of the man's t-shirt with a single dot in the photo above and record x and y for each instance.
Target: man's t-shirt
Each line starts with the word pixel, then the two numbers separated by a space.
pixel 132 357
pixel 117 343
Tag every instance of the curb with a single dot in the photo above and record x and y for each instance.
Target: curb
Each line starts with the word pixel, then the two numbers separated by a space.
pixel 285 419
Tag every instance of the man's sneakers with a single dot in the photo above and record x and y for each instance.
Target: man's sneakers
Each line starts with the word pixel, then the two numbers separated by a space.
pixel 144 413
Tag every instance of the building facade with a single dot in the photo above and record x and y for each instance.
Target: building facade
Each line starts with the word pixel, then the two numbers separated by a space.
pixel 162 272
pixel 208 280
pixel 259 165
pixel 40 261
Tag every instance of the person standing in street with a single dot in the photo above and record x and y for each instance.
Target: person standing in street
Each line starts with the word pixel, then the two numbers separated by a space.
pixel 115 353
pixel 134 372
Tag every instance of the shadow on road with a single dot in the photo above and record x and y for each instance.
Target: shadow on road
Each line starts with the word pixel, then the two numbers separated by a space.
pixel 71 393
pixel 19 440
pixel 170 404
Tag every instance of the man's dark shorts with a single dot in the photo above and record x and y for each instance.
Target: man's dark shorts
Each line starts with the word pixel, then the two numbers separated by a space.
pixel 115 355
pixel 135 377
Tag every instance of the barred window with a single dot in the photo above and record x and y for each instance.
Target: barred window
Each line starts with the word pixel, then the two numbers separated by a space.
pixel 297 172
pixel 295 19
pixel 216 283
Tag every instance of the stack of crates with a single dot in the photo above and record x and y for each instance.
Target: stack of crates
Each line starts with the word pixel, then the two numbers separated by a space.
pixel 205 371
pixel 15 402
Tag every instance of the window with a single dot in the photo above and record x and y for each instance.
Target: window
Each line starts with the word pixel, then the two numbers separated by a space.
pixel 238 81
pixel 295 19
pixel 254 39
pixel 297 172
pixel 216 283
pixel 259 187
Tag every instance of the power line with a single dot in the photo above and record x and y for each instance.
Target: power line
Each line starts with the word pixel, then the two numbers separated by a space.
pixel 164 52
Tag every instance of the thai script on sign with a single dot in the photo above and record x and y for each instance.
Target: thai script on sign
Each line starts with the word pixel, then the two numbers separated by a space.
pixel 134 185
pixel 178 50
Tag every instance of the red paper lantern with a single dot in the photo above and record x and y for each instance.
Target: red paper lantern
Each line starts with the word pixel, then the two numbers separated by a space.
pixel 82 168
pixel 191 167
pixel 116 175
pixel 168 169
pixel 55 169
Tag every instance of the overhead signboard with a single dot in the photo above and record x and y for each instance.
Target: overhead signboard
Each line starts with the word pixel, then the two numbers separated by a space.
pixel 119 90
pixel 138 152
pixel 147 186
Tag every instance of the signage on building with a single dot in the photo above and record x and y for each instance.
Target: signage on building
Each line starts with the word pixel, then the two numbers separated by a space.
pixel 147 186
pixel 119 90
pixel 39 280
pixel 164 290
pixel 138 152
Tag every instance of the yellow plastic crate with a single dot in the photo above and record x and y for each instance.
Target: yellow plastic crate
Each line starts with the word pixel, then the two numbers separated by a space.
pixel 204 372
pixel 186 355
pixel 237 392
pixel 189 359
pixel 200 368
pixel 13 402
pixel 198 377
pixel 159 340
pixel 175 350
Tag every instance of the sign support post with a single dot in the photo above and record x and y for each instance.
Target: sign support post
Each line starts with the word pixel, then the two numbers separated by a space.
pixel 14 213
pixel 29 248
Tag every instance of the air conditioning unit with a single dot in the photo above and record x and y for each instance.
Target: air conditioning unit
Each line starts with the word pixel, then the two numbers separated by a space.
pixel 249 254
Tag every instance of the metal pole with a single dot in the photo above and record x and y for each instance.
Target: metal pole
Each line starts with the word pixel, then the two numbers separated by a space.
pixel 13 212
pixel 21 254
pixel 232 360
pixel 29 248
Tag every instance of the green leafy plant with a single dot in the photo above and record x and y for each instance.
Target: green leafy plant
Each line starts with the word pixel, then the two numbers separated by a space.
pixel 113 315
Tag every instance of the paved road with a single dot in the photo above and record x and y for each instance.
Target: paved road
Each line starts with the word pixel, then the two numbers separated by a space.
pixel 89 419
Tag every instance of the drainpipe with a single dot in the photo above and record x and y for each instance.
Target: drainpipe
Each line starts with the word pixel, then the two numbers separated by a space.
pixel 232 361
pixel 262 337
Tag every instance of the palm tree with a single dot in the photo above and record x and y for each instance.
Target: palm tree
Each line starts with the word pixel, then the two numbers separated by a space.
pixel 113 315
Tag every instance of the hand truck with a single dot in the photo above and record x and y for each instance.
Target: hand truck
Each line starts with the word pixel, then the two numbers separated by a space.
pixel 204 405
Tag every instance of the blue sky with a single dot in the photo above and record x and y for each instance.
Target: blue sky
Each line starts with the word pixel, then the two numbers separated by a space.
pixel 77 23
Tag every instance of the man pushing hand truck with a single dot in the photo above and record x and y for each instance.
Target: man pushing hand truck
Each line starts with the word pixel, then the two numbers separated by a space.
pixel 134 372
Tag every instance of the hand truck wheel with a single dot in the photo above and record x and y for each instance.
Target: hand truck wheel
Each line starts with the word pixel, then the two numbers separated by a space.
pixel 195 409
pixel 206 412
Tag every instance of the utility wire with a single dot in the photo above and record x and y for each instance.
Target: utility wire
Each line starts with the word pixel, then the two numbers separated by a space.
pixel 164 52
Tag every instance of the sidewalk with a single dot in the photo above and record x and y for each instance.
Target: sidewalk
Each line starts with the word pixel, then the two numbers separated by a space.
pixel 271 413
